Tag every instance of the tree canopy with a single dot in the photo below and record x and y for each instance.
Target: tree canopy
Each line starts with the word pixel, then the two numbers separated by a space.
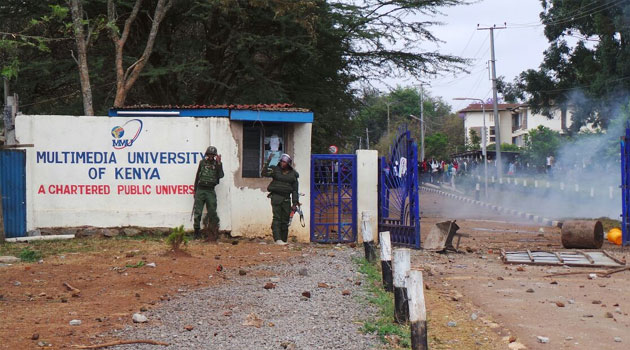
pixel 586 67
pixel 313 53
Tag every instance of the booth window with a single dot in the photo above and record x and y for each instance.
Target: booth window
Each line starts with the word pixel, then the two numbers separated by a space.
pixel 259 141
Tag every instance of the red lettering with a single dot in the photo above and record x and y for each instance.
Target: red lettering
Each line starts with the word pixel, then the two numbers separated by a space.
pixel 41 190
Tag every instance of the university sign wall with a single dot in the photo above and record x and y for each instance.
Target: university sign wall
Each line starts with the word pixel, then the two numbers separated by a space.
pixel 112 171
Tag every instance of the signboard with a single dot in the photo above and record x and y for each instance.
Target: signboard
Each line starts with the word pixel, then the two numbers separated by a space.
pixel 333 149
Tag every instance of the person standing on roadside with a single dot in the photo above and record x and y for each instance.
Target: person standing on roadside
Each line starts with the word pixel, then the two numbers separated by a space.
pixel 209 172
pixel 283 192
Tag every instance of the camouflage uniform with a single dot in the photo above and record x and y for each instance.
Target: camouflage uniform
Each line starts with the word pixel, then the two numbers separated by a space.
pixel 208 174
pixel 284 194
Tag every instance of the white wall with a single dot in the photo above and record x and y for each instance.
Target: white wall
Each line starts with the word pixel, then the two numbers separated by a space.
pixel 367 189
pixel 244 211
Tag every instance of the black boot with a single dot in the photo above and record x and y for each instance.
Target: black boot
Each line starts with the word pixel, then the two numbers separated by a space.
pixel 197 235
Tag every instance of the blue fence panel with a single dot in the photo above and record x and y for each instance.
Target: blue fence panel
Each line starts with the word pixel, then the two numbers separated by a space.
pixel 13 187
pixel 333 198
pixel 625 187
pixel 399 204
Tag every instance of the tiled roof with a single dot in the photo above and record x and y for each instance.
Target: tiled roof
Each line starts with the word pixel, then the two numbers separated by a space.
pixel 285 107
pixel 476 107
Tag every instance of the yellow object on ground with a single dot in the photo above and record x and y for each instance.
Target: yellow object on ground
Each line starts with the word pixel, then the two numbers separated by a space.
pixel 614 236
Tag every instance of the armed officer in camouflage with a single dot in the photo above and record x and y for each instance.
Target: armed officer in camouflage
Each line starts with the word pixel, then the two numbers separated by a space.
pixel 284 195
pixel 209 172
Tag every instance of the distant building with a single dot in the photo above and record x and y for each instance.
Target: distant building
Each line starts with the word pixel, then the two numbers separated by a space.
pixel 516 120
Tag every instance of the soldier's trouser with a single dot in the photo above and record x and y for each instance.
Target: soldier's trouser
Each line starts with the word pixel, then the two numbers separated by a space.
pixel 208 198
pixel 281 208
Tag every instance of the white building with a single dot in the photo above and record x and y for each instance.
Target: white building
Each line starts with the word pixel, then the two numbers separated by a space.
pixel 516 120
pixel 137 166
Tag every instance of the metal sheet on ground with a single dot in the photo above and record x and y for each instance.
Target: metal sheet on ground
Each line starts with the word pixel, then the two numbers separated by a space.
pixel 570 258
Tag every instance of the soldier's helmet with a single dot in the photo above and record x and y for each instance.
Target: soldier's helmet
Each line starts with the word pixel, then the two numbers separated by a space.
pixel 211 151
pixel 285 158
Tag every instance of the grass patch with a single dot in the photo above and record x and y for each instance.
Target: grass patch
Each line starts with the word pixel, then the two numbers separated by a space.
pixel 139 264
pixel 29 255
pixel 609 223
pixel 383 324
pixel 46 249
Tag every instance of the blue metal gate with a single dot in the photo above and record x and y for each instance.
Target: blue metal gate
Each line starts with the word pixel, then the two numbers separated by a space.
pixel 13 187
pixel 625 187
pixel 399 204
pixel 333 198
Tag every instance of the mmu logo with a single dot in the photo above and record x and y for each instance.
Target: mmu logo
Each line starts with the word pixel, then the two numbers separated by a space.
pixel 118 132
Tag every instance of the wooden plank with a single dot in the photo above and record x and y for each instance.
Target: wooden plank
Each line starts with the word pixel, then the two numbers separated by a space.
pixel 613 258
pixel 588 257
pixel 529 253
pixel 559 257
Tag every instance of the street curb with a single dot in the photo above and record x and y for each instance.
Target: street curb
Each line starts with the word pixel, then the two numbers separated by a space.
pixel 528 216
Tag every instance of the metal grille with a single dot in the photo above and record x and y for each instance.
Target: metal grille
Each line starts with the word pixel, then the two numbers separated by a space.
pixel 625 187
pixel 13 186
pixel 399 205
pixel 333 198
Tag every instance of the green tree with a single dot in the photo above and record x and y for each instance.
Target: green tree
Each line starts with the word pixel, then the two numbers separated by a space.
pixel 436 146
pixel 541 143
pixel 474 140
pixel 590 77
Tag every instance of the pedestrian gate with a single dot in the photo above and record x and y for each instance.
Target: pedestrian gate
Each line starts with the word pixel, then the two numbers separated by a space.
pixel 13 189
pixel 625 187
pixel 399 205
pixel 333 198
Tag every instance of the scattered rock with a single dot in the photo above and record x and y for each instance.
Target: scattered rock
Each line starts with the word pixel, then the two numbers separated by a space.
pixel 189 327
pixel 559 304
pixel 568 338
pixel 75 322
pixel 345 292
pixel 7 259
pixel 512 339
pixel 588 315
pixel 234 242
pixel 358 283
pixel 35 336
pixel 457 296
pixel 143 309
pixel 520 269
pixel 242 272
pixel 474 316
pixel 139 318
pixel 543 340
pixel 500 278
pixel 64 300
pixel 530 290
pixel 227 313
pixel 490 284
pixel 597 302
pixel 17 283
pixel 352 245
pixel 130 231
pixel 151 264
pixel 322 285
pixel 306 294
pixel 617 339
pixel 219 268
pixel 592 276
pixel 571 301
pixel 270 285
pixel 303 272
pixel 42 344
pixel 452 324
pixel 608 314
pixel 109 232
pixel 253 320
pixel 554 282
pixel 288 345
pixel 618 310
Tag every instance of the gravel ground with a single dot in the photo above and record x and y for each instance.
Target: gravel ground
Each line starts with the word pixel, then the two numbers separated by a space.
pixel 222 317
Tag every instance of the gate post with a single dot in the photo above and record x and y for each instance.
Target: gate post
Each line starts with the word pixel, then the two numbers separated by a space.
pixel 368 236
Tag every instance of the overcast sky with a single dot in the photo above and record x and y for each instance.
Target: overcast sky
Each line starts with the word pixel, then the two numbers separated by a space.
pixel 517 48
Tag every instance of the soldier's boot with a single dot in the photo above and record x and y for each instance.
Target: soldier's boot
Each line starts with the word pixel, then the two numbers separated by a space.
pixel 197 235
pixel 213 233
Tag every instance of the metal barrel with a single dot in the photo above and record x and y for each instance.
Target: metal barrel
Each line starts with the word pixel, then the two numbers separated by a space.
pixel 582 234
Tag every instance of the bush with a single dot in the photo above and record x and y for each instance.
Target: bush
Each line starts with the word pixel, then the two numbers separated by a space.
pixel 177 237
pixel 30 255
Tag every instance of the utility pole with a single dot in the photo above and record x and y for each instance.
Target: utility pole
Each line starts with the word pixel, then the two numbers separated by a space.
pixel 495 107
pixel 6 89
pixel 367 138
pixel 421 123
pixel 388 104
pixel 360 142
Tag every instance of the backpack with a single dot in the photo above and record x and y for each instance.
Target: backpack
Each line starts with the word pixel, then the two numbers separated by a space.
pixel 208 174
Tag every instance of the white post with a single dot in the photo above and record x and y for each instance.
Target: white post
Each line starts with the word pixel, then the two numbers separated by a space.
pixel 368 237
pixel 401 264
pixel 610 192
pixel 386 260
pixel 417 311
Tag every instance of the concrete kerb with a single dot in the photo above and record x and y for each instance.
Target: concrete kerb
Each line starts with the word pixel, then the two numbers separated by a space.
pixel 500 209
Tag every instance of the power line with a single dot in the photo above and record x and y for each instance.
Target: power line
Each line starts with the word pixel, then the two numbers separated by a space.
pixel 570 18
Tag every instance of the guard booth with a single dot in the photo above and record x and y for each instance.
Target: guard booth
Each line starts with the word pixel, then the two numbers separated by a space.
pixel 13 189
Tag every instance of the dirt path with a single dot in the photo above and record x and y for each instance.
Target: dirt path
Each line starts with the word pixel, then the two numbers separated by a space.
pixel 574 312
